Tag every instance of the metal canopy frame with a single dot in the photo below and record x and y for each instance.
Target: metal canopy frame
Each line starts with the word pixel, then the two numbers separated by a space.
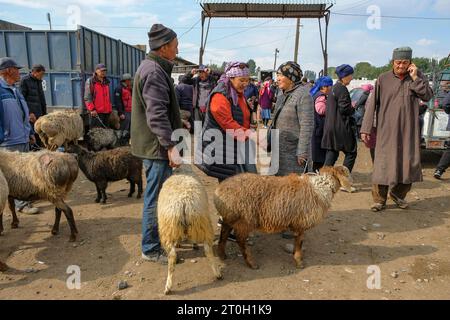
pixel 309 9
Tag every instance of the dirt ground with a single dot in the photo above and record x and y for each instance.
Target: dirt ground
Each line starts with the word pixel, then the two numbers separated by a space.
pixel 411 248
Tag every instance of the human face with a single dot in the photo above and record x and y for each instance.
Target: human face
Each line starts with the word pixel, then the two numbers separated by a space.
pixel 326 90
pixel 346 80
pixel 169 51
pixel 11 75
pixel 284 83
pixel 101 73
pixel 401 67
pixel 240 83
pixel 38 75
pixel 203 75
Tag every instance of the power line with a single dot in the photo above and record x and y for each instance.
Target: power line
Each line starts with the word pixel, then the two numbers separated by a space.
pixel 233 34
pixel 193 26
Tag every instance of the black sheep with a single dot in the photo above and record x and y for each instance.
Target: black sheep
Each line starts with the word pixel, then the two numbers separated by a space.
pixel 109 165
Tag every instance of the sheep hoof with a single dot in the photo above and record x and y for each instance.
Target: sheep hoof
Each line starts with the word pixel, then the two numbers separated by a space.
pixel 97 200
pixel 253 266
pixel 130 195
pixel 138 196
pixel 300 265
pixel 55 232
pixel 72 238
pixel 14 225
pixel 167 291
pixel 219 277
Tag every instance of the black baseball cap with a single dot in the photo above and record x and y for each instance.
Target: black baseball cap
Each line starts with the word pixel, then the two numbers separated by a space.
pixel 7 62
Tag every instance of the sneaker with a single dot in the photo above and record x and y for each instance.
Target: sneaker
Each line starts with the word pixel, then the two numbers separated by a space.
pixel 438 174
pixel 157 256
pixel 402 204
pixel 376 207
pixel 29 210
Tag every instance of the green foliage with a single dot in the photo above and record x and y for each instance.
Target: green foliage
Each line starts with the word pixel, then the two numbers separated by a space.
pixel 310 75
pixel 252 66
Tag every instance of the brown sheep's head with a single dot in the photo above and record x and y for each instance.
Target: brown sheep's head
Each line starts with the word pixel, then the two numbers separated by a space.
pixel 341 174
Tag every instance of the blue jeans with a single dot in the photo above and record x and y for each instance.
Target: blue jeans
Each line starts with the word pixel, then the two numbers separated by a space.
pixel 156 172
pixel 24 147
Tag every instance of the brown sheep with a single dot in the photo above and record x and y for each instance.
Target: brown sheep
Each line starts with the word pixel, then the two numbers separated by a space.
pixel 59 128
pixel 40 175
pixel 249 202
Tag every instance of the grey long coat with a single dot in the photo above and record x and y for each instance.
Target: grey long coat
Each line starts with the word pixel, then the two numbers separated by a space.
pixel 397 152
pixel 296 124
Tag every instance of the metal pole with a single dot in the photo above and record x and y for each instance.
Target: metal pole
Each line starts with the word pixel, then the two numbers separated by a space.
pixel 200 60
pixel 297 39
pixel 49 20
pixel 275 62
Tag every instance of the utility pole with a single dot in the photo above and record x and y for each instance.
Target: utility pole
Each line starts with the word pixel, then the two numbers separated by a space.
pixel 297 39
pixel 49 20
pixel 275 62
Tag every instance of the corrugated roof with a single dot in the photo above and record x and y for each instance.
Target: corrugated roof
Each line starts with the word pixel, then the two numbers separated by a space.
pixel 294 2
pixel 266 9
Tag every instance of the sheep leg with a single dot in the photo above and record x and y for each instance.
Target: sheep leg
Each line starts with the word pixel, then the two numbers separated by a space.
pixel 132 188
pixel 3 267
pixel 212 260
pixel 104 197
pixel 70 219
pixel 241 238
pixel 12 207
pixel 55 229
pixel 298 250
pixel 99 194
pixel 224 233
pixel 139 183
pixel 172 257
pixel 1 222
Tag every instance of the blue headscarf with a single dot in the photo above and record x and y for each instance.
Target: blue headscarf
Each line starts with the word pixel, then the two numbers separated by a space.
pixel 320 83
pixel 344 70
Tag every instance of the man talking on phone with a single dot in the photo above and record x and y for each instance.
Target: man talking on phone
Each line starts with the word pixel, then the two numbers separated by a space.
pixel 393 109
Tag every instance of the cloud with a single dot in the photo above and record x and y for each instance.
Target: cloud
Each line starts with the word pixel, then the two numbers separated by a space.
pixel 188 16
pixel 425 42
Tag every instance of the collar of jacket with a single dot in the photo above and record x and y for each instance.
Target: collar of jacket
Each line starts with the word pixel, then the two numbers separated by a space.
pixel 165 64
pixel 96 79
pixel 292 90
pixel 32 77
pixel 5 84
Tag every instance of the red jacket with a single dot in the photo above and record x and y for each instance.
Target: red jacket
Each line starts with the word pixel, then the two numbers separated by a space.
pixel 96 96
pixel 126 98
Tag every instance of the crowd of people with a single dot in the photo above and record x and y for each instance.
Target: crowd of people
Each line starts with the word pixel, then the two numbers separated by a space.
pixel 316 121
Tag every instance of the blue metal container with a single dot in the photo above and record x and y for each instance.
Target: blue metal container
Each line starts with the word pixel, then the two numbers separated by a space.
pixel 70 58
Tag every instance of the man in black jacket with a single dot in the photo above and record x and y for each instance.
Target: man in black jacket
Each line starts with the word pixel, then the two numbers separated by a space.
pixel 444 163
pixel 32 90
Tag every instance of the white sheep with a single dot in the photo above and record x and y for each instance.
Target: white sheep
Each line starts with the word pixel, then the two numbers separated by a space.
pixel 249 202
pixel 183 214
pixel 4 191
pixel 40 175
pixel 59 128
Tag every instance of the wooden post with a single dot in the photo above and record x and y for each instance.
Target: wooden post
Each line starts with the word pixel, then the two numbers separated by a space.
pixel 297 40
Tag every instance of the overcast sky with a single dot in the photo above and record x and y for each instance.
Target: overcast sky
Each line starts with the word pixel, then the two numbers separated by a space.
pixel 350 40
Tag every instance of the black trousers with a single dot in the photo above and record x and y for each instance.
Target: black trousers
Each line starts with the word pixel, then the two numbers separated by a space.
pixel 332 156
pixel 444 163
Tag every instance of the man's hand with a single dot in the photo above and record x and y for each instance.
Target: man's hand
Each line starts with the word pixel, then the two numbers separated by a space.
pixel 32 139
pixel 186 124
pixel 193 71
pixel 122 117
pixel 412 69
pixel 32 118
pixel 174 157
pixel 94 114
pixel 301 160
pixel 365 138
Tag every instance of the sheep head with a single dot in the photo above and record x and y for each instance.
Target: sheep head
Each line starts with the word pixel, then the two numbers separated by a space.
pixel 340 174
